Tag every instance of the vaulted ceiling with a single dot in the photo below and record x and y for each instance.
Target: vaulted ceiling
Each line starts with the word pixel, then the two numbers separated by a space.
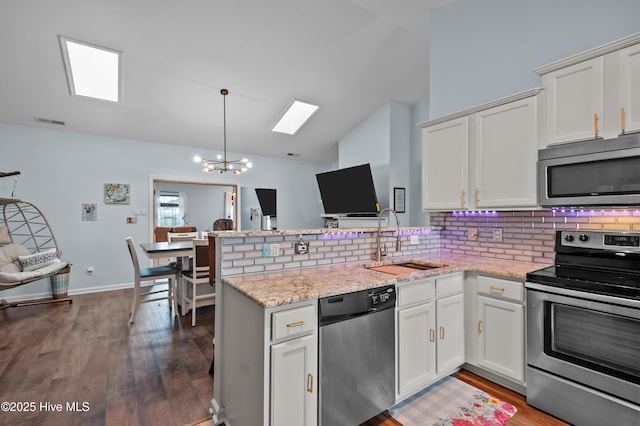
pixel 350 56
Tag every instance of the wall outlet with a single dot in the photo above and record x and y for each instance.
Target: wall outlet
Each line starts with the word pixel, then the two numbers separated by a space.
pixel 497 234
pixel 414 239
pixel 90 270
pixel 302 247
pixel 472 234
pixel 270 250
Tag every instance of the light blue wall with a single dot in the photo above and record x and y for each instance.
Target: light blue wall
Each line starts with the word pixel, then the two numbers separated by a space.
pixel 62 170
pixel 383 140
pixel 485 50
pixel 369 143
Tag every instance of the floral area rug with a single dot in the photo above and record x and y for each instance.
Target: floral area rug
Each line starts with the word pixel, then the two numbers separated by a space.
pixel 452 402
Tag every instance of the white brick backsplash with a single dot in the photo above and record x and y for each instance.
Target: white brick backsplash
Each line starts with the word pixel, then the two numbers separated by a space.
pixel 244 255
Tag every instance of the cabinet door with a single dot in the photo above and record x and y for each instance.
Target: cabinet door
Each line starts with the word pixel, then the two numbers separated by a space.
pixel 445 165
pixel 501 337
pixel 293 382
pixel 573 95
pixel 416 347
pixel 506 145
pixel 450 333
pixel 629 88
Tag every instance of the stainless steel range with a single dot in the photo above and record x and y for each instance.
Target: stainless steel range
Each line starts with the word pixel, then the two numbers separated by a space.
pixel 583 330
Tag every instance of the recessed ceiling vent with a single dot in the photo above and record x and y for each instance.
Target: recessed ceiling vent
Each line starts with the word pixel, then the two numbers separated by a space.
pixel 49 121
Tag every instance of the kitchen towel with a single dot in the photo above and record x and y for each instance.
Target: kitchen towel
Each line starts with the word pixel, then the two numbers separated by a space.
pixel 452 402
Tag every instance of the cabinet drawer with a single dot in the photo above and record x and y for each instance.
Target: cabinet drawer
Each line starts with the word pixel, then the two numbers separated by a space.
pixel 448 284
pixel 293 322
pixel 415 293
pixel 504 289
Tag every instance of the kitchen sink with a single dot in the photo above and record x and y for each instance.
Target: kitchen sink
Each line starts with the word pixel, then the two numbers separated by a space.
pixel 404 268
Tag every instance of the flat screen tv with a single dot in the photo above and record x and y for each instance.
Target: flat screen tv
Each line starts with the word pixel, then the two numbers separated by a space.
pixel 267 200
pixel 349 191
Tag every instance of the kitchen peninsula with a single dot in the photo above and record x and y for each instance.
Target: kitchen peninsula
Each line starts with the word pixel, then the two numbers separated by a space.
pixel 267 316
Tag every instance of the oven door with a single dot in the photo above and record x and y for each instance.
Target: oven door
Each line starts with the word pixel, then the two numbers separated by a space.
pixel 585 340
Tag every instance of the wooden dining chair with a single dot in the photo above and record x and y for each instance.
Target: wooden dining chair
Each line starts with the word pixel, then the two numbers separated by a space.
pixel 193 278
pixel 149 292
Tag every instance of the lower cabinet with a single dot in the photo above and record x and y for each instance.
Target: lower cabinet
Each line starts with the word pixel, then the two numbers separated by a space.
pixel 430 332
pixel 498 339
pixel 294 399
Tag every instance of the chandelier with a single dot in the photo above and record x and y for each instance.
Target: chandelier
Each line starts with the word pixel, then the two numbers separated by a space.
pixel 221 164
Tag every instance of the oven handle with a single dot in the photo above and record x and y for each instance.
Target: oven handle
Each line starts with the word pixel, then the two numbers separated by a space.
pixel 631 303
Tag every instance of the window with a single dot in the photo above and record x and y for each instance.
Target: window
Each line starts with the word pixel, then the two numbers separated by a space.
pixel 172 209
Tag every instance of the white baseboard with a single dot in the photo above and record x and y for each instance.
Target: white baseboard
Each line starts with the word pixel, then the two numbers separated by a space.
pixel 71 292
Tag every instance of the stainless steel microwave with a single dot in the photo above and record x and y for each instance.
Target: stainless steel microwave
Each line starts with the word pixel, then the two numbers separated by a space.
pixel 591 173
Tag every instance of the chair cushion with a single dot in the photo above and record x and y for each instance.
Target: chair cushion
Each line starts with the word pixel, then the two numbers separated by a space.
pixel 4 235
pixel 157 271
pixel 199 275
pixel 10 253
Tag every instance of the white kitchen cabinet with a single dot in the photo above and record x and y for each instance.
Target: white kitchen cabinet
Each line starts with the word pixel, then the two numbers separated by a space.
pixel 450 332
pixel 445 165
pixel 629 77
pixel 467 155
pixel 574 96
pixel 293 382
pixel 500 327
pixel 506 145
pixel 416 356
pixel 430 336
pixel 586 94
pixel 270 362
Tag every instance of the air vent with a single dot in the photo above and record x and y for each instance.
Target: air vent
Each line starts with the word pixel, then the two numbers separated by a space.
pixel 49 121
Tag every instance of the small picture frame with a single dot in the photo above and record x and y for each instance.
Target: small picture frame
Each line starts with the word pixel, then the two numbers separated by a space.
pixel 89 212
pixel 116 193
pixel 398 200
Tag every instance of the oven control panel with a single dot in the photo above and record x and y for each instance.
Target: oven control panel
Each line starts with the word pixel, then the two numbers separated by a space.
pixel 602 240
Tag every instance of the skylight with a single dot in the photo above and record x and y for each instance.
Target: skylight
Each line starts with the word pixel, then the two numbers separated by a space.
pixel 92 71
pixel 295 117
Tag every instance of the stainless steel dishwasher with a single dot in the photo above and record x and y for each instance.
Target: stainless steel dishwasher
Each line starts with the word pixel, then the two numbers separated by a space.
pixel 357 356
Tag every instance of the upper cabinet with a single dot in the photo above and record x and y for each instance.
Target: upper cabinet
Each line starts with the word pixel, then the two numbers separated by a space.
pixel 594 94
pixel 467 156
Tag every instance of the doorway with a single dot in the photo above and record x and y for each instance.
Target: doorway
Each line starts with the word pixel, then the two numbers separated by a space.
pixel 191 203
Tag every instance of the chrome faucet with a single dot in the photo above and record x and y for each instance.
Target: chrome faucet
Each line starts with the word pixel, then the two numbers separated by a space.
pixel 383 252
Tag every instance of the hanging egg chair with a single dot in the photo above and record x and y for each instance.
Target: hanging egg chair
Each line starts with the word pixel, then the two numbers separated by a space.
pixel 28 250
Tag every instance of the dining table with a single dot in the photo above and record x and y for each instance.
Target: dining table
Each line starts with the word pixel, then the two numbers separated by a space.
pixel 177 249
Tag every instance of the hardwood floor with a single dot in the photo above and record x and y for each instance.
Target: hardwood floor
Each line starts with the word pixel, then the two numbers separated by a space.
pixel 155 373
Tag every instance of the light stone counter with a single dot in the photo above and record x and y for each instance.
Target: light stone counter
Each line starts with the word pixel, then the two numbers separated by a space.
pixel 321 231
pixel 270 289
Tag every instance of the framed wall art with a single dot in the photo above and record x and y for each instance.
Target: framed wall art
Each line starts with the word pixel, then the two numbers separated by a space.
pixel 116 193
pixel 398 200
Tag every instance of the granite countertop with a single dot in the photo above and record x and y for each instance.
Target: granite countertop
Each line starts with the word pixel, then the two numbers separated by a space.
pixel 270 289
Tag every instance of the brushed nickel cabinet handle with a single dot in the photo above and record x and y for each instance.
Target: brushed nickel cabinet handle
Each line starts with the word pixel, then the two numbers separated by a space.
pixel 622 119
pixel 494 288
pixel 595 124
pixel 296 324
pixel 477 198
pixel 463 194
pixel 479 329
pixel 432 335
pixel 441 333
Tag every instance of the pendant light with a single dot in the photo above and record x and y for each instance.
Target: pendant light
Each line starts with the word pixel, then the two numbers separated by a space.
pixel 221 164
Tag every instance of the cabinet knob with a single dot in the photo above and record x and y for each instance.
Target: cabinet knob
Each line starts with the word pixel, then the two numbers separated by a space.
pixel 479 329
